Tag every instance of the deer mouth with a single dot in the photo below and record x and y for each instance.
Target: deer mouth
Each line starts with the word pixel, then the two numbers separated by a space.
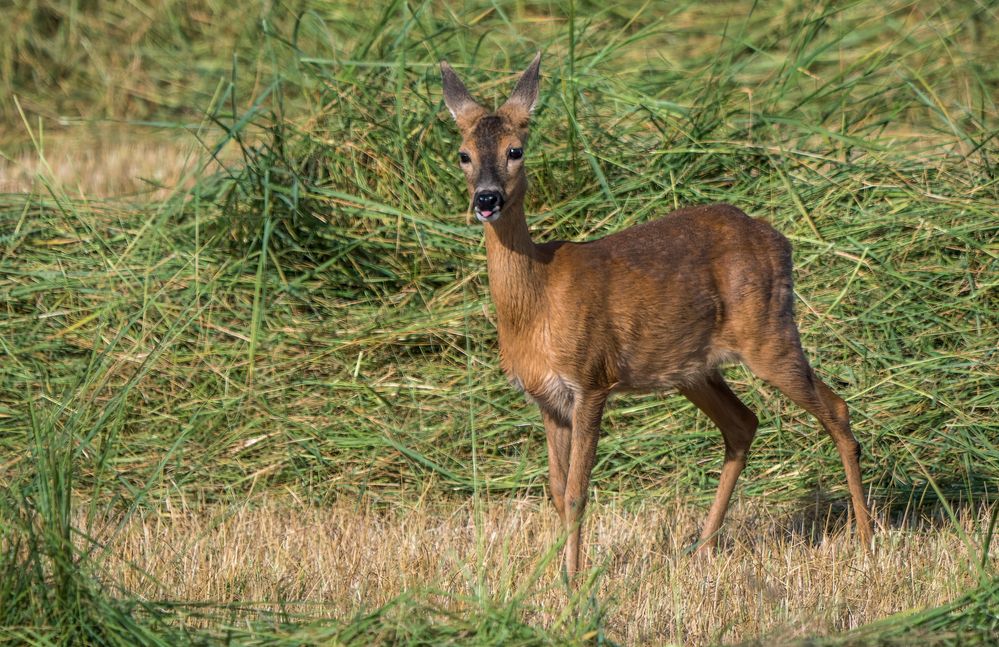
pixel 487 215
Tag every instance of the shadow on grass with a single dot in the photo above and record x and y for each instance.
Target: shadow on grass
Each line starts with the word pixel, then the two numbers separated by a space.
pixel 915 505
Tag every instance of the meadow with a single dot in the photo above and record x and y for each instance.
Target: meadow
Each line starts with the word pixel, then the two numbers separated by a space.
pixel 249 384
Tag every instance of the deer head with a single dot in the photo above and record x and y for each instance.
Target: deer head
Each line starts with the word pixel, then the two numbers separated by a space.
pixel 492 144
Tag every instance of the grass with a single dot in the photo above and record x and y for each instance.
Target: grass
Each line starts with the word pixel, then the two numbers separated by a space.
pixel 773 579
pixel 288 321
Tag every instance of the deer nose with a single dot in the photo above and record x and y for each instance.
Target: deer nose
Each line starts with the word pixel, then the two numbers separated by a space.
pixel 488 201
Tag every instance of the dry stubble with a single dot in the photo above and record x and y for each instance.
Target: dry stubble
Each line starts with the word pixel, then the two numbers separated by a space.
pixel 774 575
pixel 98 163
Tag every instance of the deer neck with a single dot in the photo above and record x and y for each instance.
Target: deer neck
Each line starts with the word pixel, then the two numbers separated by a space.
pixel 516 274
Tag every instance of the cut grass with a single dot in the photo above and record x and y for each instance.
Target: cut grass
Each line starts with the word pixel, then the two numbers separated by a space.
pixel 312 320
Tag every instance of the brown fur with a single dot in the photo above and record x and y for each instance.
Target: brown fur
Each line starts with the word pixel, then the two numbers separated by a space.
pixel 657 306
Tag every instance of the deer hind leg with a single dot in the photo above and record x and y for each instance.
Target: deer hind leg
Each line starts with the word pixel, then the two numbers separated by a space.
pixel 738 427
pixel 785 367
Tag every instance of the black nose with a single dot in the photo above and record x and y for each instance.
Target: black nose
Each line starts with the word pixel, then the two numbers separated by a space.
pixel 488 201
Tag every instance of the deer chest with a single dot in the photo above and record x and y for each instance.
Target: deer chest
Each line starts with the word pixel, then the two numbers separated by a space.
pixel 553 392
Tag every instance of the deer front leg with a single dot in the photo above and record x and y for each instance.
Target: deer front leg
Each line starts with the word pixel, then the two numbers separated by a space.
pixel 559 437
pixel 586 414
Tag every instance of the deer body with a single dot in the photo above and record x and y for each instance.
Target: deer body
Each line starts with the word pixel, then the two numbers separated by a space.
pixel 657 306
pixel 639 310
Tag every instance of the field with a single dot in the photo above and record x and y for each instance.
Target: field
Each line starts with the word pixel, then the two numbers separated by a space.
pixel 249 384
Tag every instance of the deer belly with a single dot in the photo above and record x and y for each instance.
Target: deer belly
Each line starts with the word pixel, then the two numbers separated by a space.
pixel 652 375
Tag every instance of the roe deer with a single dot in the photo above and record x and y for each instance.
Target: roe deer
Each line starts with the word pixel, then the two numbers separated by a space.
pixel 657 306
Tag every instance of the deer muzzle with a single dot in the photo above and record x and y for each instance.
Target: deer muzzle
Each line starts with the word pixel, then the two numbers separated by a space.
pixel 487 205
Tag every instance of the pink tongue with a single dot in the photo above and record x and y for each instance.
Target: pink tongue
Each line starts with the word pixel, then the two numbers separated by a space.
pixel 486 214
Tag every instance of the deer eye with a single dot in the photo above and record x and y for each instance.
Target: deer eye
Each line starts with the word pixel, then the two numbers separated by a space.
pixel 464 157
pixel 515 153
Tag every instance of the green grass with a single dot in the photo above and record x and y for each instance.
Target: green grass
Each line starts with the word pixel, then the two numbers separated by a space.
pixel 312 318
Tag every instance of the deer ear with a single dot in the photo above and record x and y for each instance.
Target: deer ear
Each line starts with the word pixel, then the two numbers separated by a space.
pixel 525 95
pixel 456 97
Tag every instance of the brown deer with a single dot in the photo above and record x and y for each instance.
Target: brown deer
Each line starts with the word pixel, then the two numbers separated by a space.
pixel 657 306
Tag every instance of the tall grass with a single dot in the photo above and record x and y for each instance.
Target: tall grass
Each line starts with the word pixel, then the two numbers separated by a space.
pixel 313 318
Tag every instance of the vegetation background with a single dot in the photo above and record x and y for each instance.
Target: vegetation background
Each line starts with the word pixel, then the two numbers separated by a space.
pixel 248 374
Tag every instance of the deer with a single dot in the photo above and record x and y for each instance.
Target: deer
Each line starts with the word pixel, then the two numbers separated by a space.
pixel 658 306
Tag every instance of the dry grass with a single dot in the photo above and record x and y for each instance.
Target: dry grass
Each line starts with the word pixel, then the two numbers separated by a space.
pixel 104 162
pixel 778 576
